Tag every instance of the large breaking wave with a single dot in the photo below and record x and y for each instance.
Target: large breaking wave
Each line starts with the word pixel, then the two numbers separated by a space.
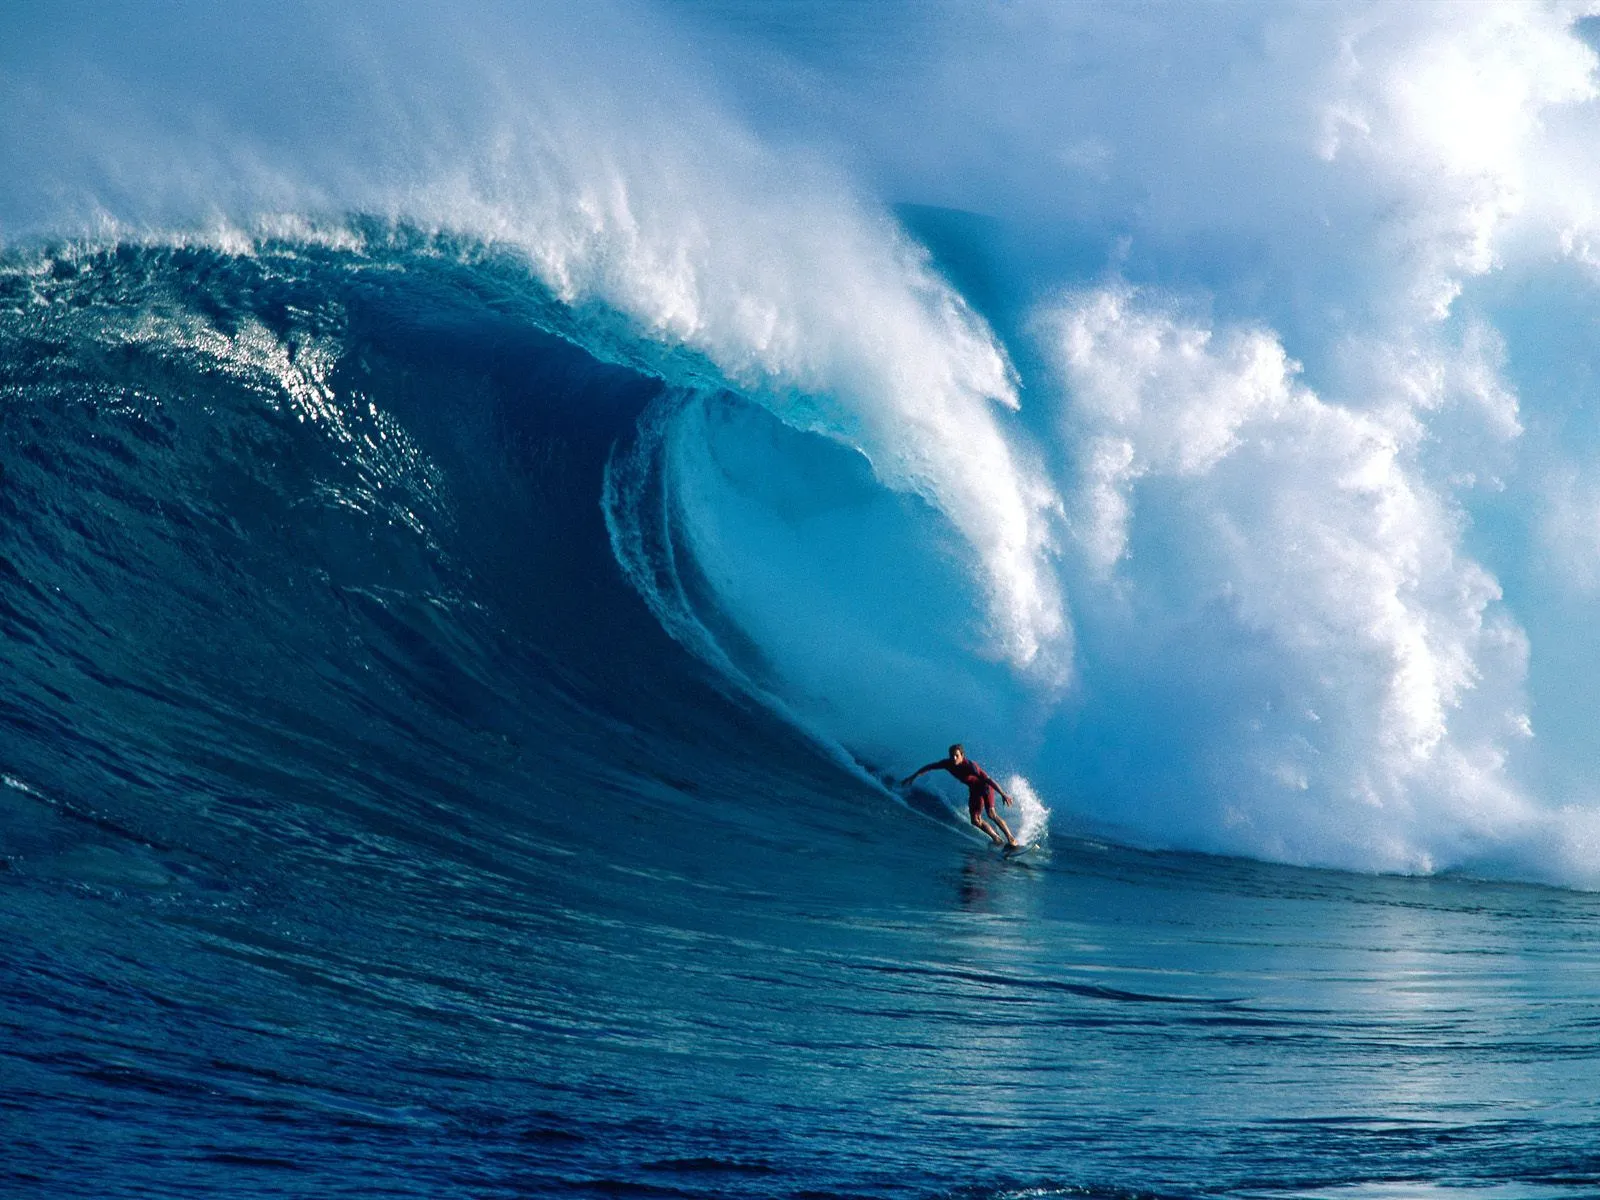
pixel 1243 517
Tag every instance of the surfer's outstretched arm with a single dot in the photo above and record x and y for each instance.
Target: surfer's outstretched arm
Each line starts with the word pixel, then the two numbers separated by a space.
pixel 933 766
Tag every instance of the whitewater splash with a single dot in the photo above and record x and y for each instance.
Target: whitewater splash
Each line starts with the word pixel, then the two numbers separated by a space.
pixel 1033 819
pixel 1278 548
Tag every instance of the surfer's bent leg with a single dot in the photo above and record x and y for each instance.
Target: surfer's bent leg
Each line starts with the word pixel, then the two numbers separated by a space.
pixel 994 816
pixel 975 812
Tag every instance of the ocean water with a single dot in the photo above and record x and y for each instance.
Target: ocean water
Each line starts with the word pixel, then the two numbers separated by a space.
pixel 366 833
pixel 490 508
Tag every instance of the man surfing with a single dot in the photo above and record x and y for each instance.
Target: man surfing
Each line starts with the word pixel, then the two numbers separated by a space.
pixel 980 792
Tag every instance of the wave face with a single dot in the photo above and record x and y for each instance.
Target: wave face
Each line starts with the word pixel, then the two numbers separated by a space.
pixel 483 526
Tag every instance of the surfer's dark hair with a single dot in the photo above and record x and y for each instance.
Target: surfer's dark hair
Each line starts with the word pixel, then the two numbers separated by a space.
pixel 958 746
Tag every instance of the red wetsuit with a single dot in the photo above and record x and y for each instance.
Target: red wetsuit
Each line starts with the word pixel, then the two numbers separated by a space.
pixel 980 788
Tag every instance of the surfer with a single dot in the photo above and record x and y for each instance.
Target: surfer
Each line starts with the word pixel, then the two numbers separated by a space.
pixel 980 792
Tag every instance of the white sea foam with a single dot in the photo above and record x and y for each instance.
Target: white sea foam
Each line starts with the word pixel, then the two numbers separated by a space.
pixel 1032 819
pixel 1372 726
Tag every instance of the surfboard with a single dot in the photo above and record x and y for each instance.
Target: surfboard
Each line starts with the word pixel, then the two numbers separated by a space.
pixel 1014 851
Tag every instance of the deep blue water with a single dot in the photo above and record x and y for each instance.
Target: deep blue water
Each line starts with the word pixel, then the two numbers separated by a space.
pixel 363 832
